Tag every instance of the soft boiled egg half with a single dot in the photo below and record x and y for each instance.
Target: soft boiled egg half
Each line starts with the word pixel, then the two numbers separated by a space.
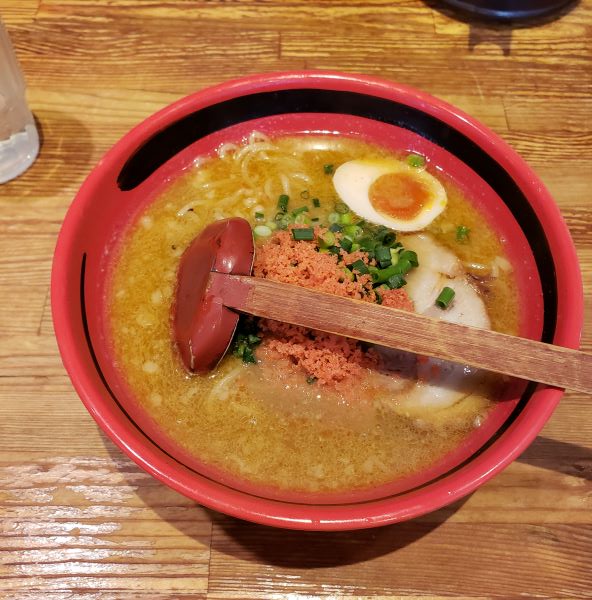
pixel 390 192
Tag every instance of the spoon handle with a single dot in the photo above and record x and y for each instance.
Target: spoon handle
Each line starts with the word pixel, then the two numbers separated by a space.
pixel 498 352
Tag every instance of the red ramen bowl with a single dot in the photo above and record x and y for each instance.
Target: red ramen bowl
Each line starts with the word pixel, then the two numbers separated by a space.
pixel 142 164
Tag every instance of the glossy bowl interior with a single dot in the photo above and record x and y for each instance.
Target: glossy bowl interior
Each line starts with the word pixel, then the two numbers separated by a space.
pixel 143 163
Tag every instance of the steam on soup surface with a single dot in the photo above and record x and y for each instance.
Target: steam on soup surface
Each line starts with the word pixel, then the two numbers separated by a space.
pixel 291 408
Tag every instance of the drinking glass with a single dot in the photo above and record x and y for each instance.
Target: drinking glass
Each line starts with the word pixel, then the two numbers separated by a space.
pixel 19 140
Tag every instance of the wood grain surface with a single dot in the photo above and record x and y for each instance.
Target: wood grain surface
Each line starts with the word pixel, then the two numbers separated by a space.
pixel 81 521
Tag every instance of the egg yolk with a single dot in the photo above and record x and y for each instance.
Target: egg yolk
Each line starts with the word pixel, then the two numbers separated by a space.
pixel 399 195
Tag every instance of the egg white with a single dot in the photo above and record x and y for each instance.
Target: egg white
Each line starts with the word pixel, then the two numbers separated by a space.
pixel 352 181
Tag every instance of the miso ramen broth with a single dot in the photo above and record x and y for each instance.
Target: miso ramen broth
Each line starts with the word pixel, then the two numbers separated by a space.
pixel 269 422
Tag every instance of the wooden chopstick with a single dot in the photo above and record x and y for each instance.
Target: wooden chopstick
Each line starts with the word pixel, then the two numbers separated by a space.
pixel 527 359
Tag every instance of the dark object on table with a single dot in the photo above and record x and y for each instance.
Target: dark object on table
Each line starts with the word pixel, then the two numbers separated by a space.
pixel 507 10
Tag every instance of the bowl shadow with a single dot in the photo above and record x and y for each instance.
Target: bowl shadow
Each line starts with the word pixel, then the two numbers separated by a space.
pixel 330 549
pixel 563 457
pixel 319 549
pixel 264 544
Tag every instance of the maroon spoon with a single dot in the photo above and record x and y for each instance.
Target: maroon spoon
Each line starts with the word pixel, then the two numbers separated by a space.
pixel 214 286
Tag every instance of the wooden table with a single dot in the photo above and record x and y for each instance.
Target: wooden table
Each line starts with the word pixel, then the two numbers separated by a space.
pixel 79 519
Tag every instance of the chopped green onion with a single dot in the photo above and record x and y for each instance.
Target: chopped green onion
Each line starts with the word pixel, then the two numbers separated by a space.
pixel 327 239
pixel 383 256
pixel 348 274
pixel 335 250
pixel 333 218
pixel 302 219
pixel 445 297
pixel 341 208
pixel 359 266
pixel 394 256
pixel 346 244
pixel 283 202
pixel 354 232
pixel 410 256
pixel 305 195
pixel 396 281
pixel 403 266
pixel 462 233
pixel 248 356
pixel 328 169
pixel 355 247
pixel 378 297
pixel 389 238
pixel 299 210
pixel 262 231
pixel 381 231
pixel 271 225
pixel 335 227
pixel 415 160
pixel 316 202
pixel 311 379
pixel 346 219
pixel 259 216
pixel 284 220
pixel 382 275
pixel 244 345
pixel 366 244
pixel 303 233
